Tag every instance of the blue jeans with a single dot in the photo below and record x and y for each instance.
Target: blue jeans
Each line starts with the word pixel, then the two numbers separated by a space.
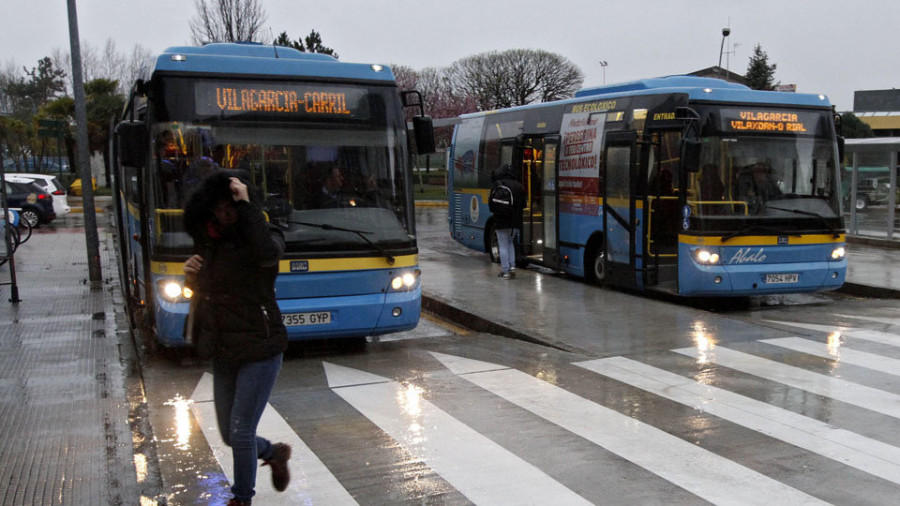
pixel 240 394
pixel 506 244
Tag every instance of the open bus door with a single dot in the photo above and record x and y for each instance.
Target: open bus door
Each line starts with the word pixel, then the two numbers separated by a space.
pixel 665 194
pixel 619 175
pixel 536 158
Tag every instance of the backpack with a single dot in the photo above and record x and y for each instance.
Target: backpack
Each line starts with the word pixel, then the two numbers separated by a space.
pixel 501 203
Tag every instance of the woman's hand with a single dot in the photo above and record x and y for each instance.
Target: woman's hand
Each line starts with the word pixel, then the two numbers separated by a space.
pixel 239 190
pixel 192 267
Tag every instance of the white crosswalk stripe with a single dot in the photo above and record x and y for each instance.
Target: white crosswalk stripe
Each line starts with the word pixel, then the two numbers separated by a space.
pixel 479 468
pixel 311 482
pixel 834 388
pixel 487 473
pixel 699 471
pixel 863 453
pixel 875 336
pixel 841 353
pixel 889 321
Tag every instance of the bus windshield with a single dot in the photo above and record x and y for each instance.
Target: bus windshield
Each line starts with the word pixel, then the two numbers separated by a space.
pixel 765 177
pixel 331 184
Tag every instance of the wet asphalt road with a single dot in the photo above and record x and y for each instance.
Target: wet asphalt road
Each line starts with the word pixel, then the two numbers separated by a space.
pixel 784 400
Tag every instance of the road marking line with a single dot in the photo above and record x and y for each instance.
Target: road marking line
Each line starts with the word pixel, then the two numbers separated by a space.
pixel 841 354
pixel 692 468
pixel 311 481
pixel 874 336
pixel 889 321
pixel 477 467
pixel 834 388
pixel 863 453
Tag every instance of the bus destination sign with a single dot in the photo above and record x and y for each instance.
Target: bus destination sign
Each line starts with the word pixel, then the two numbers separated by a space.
pixel 225 99
pixel 788 122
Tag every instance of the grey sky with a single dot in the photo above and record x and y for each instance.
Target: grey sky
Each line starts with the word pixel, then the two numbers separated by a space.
pixel 823 46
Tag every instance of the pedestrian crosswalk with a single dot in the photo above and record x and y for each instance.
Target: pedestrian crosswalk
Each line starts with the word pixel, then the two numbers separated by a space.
pixel 865 463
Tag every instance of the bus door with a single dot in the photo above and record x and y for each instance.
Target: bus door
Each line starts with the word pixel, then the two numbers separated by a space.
pixel 530 158
pixel 619 173
pixel 661 159
pixel 549 192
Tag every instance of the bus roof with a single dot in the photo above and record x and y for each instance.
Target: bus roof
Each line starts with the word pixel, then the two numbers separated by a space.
pixel 705 88
pixel 258 59
pixel 696 88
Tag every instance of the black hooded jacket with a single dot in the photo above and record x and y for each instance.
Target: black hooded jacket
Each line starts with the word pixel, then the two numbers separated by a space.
pixel 504 176
pixel 239 317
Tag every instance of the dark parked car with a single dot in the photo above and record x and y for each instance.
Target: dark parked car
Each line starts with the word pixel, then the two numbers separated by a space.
pixel 33 203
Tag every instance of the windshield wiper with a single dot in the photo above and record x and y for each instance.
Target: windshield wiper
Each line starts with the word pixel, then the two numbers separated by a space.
pixel 362 235
pixel 821 218
pixel 756 228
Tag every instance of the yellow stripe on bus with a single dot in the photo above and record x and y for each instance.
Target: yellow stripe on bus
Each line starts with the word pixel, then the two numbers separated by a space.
pixel 315 264
pixel 760 240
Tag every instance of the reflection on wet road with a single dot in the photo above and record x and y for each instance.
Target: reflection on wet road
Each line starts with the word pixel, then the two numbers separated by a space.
pixel 781 403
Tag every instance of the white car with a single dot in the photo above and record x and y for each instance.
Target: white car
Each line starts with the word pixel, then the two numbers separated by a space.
pixel 49 183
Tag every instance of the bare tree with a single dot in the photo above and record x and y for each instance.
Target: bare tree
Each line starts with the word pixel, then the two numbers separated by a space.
pixel 514 77
pixel 110 64
pixel 227 21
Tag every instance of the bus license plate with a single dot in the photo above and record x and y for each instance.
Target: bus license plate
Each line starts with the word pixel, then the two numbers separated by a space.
pixel 298 319
pixel 782 278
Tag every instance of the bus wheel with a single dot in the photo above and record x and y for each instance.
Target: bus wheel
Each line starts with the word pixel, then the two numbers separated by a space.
pixel 862 203
pixel 594 265
pixel 148 332
pixel 493 246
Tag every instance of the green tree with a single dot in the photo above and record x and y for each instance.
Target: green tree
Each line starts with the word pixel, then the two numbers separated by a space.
pixel 103 102
pixel 854 128
pixel 760 75
pixel 45 83
pixel 312 43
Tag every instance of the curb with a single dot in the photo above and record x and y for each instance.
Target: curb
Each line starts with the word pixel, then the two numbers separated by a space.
pixel 873 241
pixel 878 292
pixel 444 309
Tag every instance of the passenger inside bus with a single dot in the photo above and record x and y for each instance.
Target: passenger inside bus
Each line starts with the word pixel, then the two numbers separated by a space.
pixel 712 190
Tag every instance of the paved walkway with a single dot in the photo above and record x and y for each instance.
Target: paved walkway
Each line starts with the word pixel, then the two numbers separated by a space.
pixel 66 435
pixel 873 269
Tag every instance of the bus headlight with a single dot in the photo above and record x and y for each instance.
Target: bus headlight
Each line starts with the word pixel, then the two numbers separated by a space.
pixel 706 257
pixel 173 291
pixel 838 253
pixel 406 280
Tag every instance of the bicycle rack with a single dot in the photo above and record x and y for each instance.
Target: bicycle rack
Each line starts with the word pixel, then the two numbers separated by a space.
pixel 9 251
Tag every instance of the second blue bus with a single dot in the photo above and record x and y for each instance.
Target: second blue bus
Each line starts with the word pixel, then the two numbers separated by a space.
pixel 688 185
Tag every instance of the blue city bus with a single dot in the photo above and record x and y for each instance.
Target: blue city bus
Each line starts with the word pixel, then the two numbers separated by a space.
pixel 291 125
pixel 686 185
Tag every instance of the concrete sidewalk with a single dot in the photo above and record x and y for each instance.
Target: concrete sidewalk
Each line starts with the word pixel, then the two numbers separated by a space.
pixel 873 268
pixel 65 354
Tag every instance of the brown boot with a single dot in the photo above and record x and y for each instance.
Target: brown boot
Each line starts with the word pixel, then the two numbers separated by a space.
pixel 281 475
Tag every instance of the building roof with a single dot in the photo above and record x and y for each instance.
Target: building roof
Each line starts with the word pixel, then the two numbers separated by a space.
pixel 719 73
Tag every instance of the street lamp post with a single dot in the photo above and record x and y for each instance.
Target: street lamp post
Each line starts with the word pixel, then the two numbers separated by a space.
pixel 603 64
pixel 725 33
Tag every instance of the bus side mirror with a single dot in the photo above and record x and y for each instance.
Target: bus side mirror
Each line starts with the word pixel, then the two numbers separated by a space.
pixel 690 155
pixel 423 128
pixel 840 143
pixel 133 143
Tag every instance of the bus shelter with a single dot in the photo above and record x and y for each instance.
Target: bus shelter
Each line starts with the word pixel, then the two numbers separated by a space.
pixel 871 186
